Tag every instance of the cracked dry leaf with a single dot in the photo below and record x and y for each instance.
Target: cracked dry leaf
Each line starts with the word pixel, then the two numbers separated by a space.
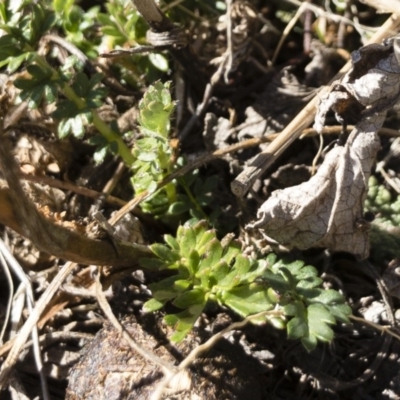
pixel 327 210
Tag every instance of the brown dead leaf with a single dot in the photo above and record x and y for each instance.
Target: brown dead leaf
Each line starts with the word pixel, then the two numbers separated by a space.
pixel 324 211
pixel 327 211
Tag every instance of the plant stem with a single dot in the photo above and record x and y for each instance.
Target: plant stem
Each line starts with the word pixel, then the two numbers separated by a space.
pixel 193 199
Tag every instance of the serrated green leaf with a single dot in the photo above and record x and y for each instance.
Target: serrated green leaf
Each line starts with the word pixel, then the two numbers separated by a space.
pixel 295 267
pixel 164 290
pixel 177 337
pixel 219 271
pixel 187 242
pixel 295 308
pixel 190 298
pixel 66 109
pixel 81 84
pixel 328 296
pixel 309 342
pixel 288 277
pixel 341 312
pixel 231 251
pixel 35 97
pixel 38 73
pixel 172 242
pixel 242 265
pixel 179 207
pixel 318 319
pixel 147 156
pixel 247 299
pixel 171 319
pixel 213 254
pixel 306 272
pixel 258 267
pixel 297 328
pixel 319 313
pixel 9 47
pixel 276 281
pixel 152 305
pixel 309 283
pixel 181 284
pixel 50 93
pixel 100 154
pixel 15 62
pixel 193 261
pixel 278 323
pixel 164 253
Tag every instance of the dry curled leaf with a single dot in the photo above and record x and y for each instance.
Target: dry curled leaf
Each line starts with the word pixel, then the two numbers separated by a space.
pixel 327 210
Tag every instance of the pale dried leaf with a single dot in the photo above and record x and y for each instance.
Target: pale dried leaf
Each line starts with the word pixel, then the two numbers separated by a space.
pixel 327 211
pixel 323 210
pixel 384 6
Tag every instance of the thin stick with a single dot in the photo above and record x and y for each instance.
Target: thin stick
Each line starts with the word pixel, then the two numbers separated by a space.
pixel 46 180
pixel 31 322
pixel 166 367
pixel 287 30
pixel 7 273
pixel 30 301
pixel 380 328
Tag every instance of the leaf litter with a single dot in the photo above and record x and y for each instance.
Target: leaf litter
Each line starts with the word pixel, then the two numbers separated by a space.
pixel 327 210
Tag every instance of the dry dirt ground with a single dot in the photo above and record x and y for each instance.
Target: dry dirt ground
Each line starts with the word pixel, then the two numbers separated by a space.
pixel 252 100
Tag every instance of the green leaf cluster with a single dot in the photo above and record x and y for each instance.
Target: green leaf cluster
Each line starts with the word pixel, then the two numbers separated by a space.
pixel 312 308
pixel 152 152
pixel 23 24
pixel 207 269
pixel 384 234
pixel 75 115
pixel 155 160
pixel 380 202
pixel 41 84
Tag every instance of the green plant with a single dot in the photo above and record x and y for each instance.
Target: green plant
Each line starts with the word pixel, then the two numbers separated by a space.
pixel 207 269
pixel 385 233
pixel 152 152
pixel 155 159
pixel 380 202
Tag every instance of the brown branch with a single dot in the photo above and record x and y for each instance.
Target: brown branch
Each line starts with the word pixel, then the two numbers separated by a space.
pixel 18 213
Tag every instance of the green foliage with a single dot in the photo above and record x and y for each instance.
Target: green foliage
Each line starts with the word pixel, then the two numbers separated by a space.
pixel 40 85
pixel 206 269
pixel 385 233
pixel 76 95
pixel 75 115
pixel 153 153
pixel 380 202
